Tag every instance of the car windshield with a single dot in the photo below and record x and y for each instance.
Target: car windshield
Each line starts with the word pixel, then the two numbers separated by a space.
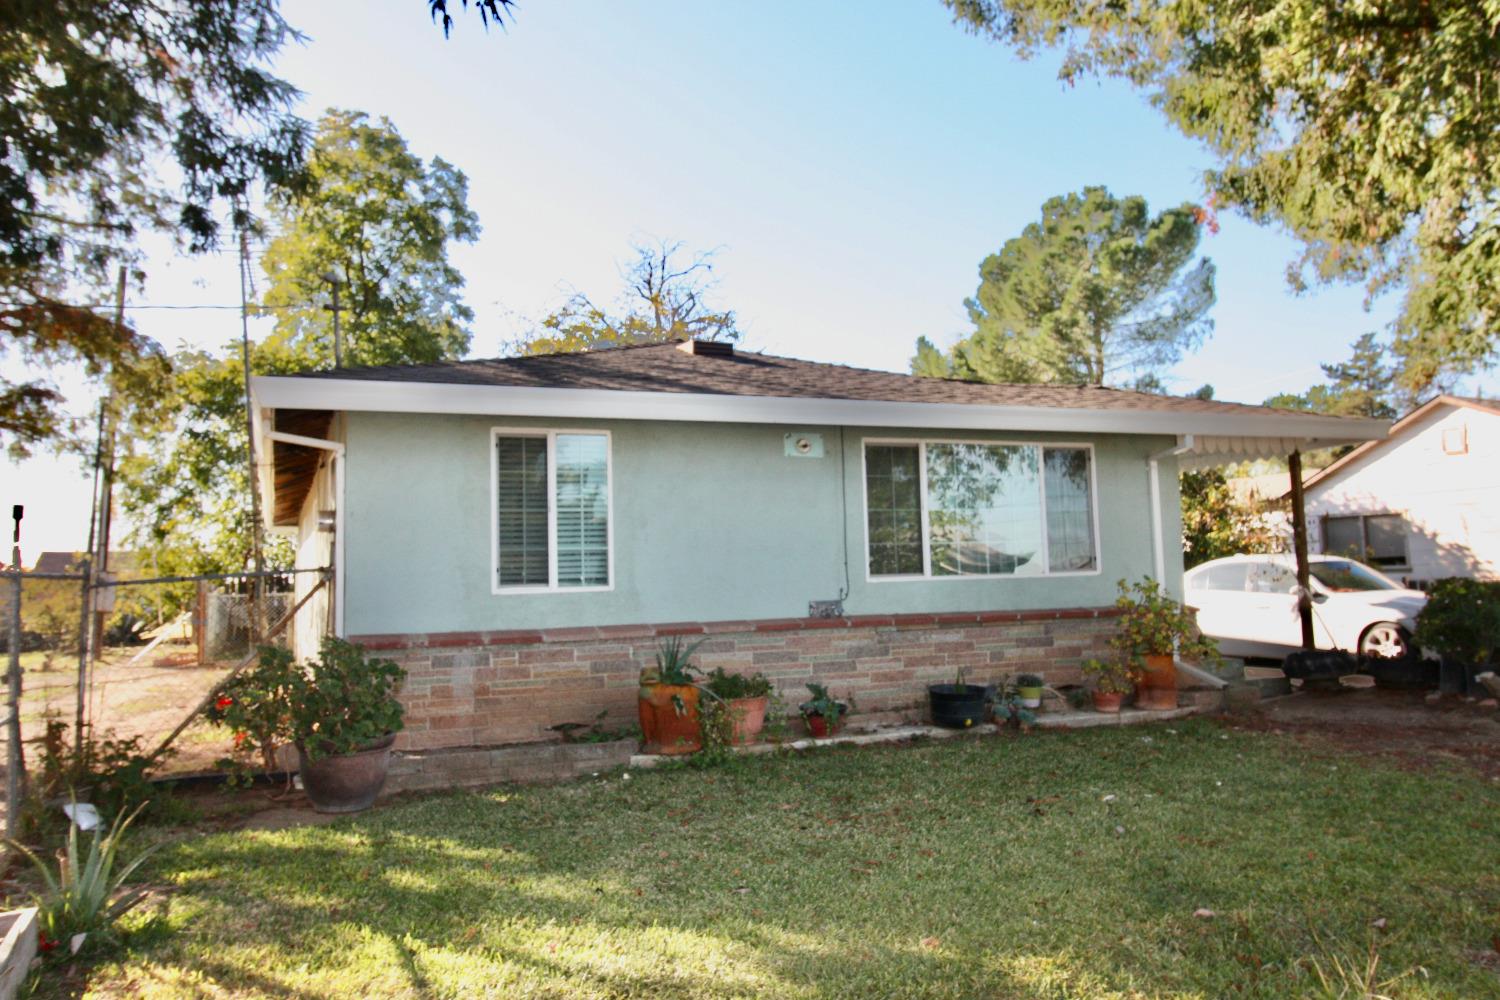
pixel 1342 576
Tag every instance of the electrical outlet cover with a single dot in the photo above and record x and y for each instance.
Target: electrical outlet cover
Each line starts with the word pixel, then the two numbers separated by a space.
pixel 804 445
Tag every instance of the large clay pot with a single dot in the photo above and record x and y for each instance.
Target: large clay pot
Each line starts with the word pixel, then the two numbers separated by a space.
pixel 749 717
pixel 665 730
pixel 348 782
pixel 1156 689
pixel 1108 702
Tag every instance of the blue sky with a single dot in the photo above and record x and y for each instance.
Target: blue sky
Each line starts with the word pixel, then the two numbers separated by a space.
pixel 853 162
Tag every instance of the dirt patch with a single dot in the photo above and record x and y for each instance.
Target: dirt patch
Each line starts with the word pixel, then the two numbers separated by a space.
pixel 1402 725
pixel 145 698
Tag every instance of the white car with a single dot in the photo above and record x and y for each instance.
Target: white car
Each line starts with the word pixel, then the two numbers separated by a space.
pixel 1249 604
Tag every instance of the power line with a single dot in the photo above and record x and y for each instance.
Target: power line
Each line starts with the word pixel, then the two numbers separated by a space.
pixel 128 306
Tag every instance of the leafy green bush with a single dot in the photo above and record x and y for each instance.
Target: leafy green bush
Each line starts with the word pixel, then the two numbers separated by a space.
pixel 1109 676
pixel 1461 620
pixel 110 772
pixel 337 704
pixel 1152 624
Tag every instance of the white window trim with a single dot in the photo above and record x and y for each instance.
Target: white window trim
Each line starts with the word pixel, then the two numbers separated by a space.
pixel 550 434
pixel 926 574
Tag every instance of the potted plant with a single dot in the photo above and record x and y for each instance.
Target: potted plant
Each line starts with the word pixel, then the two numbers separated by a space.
pixel 344 718
pixel 746 697
pixel 668 700
pixel 1153 629
pixel 1029 689
pixel 340 711
pixel 1111 683
pixel 1010 713
pixel 823 714
pixel 959 705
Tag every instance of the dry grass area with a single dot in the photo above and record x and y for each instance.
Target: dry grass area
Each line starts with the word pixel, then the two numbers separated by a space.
pixel 147 698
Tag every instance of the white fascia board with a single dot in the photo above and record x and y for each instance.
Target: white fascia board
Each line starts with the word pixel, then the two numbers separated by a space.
pixel 274 391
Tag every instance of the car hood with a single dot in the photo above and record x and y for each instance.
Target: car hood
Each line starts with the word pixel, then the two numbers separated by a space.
pixel 1393 604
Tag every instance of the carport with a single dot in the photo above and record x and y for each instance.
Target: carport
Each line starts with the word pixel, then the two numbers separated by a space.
pixel 1298 432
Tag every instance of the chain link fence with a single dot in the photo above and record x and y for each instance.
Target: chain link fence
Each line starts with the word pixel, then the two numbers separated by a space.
pixel 157 647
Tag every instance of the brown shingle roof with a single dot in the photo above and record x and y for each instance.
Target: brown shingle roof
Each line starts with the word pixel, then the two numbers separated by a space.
pixel 665 368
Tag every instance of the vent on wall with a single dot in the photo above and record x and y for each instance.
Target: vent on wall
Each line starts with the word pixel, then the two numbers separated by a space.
pixel 1456 440
pixel 707 348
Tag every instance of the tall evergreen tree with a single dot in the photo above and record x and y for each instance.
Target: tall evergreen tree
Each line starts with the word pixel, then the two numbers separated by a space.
pixel 1363 386
pixel 1097 291
pixel 1369 130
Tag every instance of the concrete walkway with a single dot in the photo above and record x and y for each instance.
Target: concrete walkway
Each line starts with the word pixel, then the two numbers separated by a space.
pixel 898 734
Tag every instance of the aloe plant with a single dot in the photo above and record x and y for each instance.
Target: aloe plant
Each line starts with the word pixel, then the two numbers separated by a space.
pixel 85 893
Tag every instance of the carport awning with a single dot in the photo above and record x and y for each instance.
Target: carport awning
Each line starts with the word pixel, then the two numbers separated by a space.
pixel 1203 451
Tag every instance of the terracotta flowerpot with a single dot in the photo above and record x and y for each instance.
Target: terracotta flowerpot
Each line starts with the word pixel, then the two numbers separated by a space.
pixel 347 782
pixel 817 725
pixel 665 731
pixel 748 716
pixel 1156 689
pixel 1108 701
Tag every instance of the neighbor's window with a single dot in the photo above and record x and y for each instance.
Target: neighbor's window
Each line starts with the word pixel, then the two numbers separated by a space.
pixel 552 510
pixel 967 509
pixel 1376 539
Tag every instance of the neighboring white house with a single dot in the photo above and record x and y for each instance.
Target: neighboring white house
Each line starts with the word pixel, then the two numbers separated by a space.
pixel 1423 503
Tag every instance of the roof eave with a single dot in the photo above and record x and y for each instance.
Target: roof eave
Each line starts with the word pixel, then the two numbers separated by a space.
pixel 273 392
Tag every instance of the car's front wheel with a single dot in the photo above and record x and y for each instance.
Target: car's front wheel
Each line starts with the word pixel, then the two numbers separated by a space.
pixel 1385 641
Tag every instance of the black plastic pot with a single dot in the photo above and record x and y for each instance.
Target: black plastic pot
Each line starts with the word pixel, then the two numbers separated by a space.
pixel 1410 673
pixel 959 706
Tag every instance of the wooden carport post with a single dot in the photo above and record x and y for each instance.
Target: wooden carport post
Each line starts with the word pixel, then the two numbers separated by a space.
pixel 1299 548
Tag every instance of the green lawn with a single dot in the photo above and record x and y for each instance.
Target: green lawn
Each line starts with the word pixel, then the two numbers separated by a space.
pixel 994 867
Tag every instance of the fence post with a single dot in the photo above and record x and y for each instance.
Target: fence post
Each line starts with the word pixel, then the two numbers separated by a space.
pixel 15 760
pixel 85 642
pixel 200 621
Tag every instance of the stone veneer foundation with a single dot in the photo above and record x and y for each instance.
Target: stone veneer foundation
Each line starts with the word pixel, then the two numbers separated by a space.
pixel 493 688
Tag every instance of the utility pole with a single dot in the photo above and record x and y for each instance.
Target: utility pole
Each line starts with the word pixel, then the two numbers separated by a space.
pixel 15 762
pixel 255 599
pixel 333 279
pixel 107 431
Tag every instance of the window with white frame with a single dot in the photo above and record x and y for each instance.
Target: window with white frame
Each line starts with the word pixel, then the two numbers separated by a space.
pixel 1376 539
pixel 551 510
pixel 949 509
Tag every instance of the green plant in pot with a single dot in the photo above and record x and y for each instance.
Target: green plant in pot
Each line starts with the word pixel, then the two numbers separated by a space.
pixel 1110 682
pixel 823 713
pixel 1029 688
pixel 746 698
pixel 1153 628
pixel 340 711
pixel 668 700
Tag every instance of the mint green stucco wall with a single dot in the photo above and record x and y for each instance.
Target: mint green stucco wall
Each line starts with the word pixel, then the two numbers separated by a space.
pixel 711 522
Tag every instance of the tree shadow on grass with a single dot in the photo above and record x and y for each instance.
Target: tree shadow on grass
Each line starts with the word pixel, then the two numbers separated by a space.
pixel 978 870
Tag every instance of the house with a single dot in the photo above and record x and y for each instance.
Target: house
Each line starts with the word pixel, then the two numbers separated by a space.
pixel 1422 504
pixel 521 533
